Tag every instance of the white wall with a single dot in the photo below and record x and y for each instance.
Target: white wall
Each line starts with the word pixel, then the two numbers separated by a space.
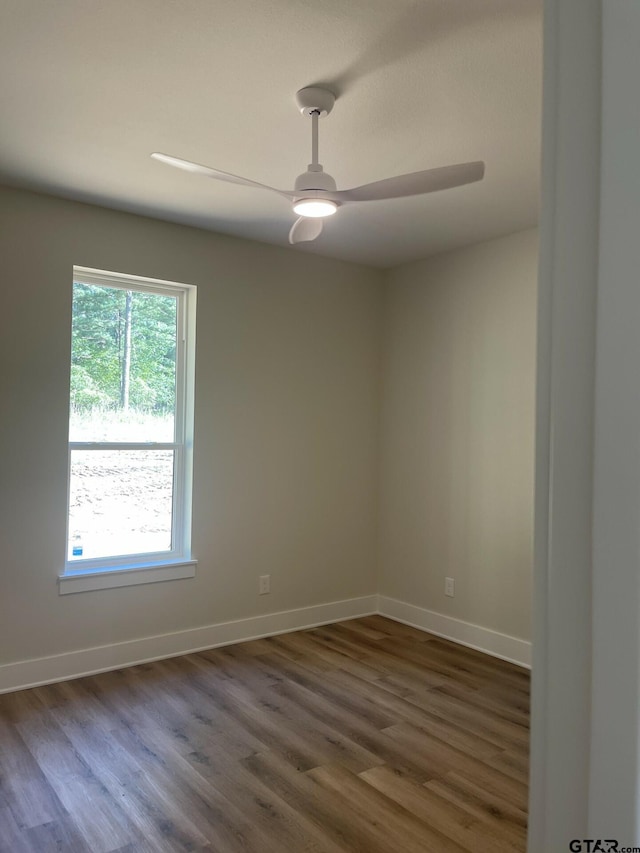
pixel 286 425
pixel 456 492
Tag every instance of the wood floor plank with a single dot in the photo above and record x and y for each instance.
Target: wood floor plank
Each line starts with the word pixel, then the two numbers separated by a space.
pixel 264 727
pixel 274 824
pixel 357 627
pixel 395 825
pixel 457 736
pixel 441 758
pixel 21 706
pixel 511 763
pixel 198 806
pixel 476 720
pixel 62 835
pixel 367 736
pixel 174 785
pixel 507 706
pixel 331 689
pixel 122 776
pixel 356 830
pixel 396 629
pixel 325 809
pixel 477 834
pixel 190 715
pixel 101 820
pixel 281 713
pixel 24 788
pixel 357 728
pixel 266 822
pixel 296 647
pixel 371 660
pixel 481 802
pixel 478 670
pixel 384 696
pixel 12 838
pixel 335 656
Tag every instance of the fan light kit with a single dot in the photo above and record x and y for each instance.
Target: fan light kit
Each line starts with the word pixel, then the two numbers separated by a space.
pixel 315 195
pixel 315 207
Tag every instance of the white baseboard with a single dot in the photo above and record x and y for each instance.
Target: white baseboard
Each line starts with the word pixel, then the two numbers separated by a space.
pixel 475 636
pixel 62 667
pixel 76 664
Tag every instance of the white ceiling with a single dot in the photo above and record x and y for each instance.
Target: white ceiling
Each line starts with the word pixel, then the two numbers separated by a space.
pixel 89 88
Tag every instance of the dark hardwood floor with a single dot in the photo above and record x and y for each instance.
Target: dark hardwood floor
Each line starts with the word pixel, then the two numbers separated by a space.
pixel 361 736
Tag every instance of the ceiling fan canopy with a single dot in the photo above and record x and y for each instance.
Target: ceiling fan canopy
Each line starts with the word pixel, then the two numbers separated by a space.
pixel 315 194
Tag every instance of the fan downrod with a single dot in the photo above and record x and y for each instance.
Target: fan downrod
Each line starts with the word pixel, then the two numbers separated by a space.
pixel 314 99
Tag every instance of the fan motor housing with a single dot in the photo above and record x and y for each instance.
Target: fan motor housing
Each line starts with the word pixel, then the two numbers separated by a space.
pixel 314 179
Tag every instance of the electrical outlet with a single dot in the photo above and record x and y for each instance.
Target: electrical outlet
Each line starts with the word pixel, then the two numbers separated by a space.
pixel 449 585
pixel 264 584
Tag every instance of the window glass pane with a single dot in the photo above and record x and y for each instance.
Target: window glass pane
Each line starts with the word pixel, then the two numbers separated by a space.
pixel 123 365
pixel 120 502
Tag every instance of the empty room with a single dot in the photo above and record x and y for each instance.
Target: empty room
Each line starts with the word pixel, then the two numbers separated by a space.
pixel 279 398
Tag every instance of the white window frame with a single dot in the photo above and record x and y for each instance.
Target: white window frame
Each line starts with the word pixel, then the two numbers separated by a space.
pixel 128 569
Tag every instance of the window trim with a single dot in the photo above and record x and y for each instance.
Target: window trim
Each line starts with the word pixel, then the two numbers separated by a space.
pixel 87 581
pixel 147 567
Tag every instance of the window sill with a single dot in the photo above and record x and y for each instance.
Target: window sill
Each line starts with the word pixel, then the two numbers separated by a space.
pixel 86 581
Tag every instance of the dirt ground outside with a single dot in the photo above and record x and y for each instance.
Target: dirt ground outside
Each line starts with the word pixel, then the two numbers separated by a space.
pixel 120 500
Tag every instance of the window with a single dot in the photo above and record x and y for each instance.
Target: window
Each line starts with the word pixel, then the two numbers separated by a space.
pixel 130 431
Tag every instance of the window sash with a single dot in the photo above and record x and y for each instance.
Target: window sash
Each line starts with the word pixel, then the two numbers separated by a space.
pixel 123 445
pixel 177 550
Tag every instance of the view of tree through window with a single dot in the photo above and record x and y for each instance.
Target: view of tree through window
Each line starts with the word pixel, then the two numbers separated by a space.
pixel 122 426
pixel 123 350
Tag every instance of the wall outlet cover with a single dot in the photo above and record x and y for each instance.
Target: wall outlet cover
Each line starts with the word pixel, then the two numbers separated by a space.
pixel 264 584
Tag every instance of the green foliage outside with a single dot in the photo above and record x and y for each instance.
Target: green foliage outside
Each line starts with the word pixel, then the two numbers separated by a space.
pixel 123 350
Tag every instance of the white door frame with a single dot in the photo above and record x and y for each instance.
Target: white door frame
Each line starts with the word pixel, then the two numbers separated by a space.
pixel 586 650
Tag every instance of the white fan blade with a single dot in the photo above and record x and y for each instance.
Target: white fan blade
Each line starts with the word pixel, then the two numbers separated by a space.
pixel 208 172
pixel 415 183
pixel 304 229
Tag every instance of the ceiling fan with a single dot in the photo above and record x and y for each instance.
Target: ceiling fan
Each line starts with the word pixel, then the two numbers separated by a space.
pixel 315 195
